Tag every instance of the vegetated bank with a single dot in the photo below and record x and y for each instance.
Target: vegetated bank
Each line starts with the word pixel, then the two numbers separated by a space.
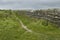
pixel 10 28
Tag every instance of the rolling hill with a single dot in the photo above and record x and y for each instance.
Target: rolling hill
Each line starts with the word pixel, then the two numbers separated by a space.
pixel 16 25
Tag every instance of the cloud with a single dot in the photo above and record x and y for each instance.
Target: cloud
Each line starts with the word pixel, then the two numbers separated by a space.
pixel 29 4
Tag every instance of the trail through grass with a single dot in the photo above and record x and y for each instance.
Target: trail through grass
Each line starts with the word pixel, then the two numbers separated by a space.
pixel 20 22
pixel 36 25
pixel 22 27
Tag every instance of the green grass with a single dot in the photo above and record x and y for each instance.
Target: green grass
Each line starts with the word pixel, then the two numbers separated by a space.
pixel 11 29
pixel 50 31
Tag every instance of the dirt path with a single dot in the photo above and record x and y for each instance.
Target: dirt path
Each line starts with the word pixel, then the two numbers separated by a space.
pixel 23 26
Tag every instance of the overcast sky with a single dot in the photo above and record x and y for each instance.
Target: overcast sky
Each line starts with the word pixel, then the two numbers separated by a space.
pixel 29 4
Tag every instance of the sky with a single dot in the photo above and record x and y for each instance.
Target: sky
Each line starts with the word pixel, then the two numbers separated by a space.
pixel 29 4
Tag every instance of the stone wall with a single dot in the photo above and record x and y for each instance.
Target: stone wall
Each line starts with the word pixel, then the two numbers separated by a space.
pixel 53 17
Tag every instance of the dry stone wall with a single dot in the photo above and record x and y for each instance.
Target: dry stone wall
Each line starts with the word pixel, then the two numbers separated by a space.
pixel 52 16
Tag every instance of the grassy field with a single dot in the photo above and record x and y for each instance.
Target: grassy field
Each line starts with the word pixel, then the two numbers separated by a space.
pixel 11 29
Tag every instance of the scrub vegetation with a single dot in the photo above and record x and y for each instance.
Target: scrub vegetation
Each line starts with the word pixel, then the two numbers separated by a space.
pixel 15 25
